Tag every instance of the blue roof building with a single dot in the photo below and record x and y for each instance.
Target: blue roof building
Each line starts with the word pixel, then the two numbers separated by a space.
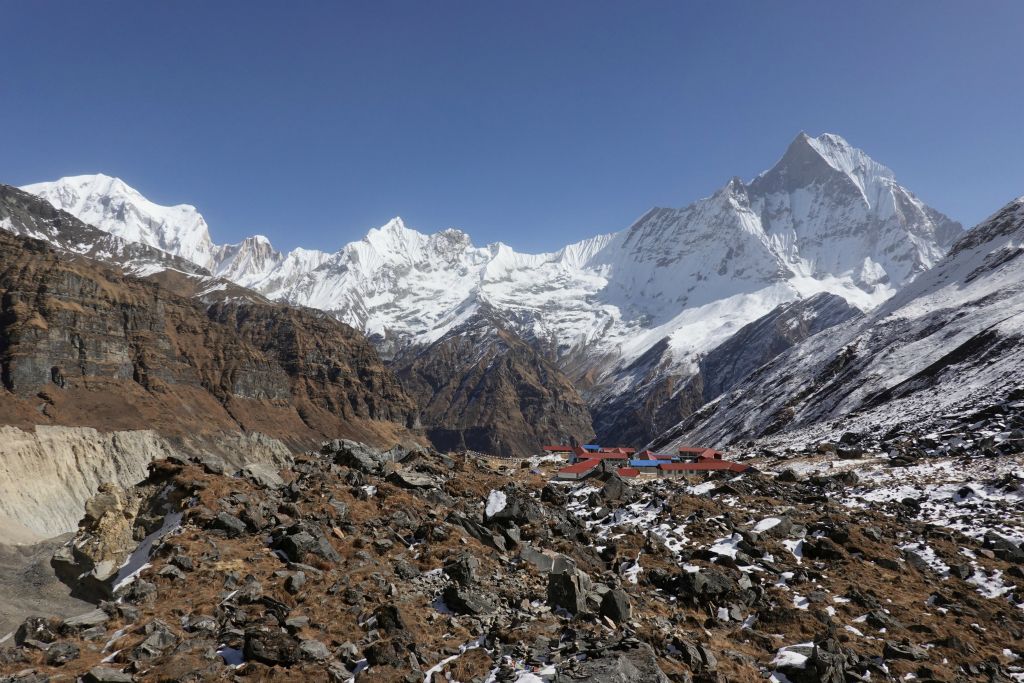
pixel 644 463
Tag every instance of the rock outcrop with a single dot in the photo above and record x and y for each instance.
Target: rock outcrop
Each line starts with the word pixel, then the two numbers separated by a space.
pixel 49 472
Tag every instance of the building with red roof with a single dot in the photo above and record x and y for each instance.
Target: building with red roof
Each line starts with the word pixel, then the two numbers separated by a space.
pixel 700 453
pixel 579 470
pixel 608 456
pixel 619 449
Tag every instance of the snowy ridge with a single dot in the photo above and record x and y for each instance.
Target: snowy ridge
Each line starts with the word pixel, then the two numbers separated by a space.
pixel 952 338
pixel 111 205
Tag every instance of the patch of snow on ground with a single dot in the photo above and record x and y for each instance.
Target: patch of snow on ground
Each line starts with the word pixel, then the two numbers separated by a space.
pixel 429 673
pixel 496 502
pixel 138 560
pixel 766 524
pixel 926 553
pixel 797 548
pixel 727 546
pixel 794 656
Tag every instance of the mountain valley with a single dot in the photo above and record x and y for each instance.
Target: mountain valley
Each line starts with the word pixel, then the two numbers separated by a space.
pixel 226 462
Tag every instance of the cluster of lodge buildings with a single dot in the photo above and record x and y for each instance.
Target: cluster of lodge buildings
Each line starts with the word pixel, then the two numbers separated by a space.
pixel 591 458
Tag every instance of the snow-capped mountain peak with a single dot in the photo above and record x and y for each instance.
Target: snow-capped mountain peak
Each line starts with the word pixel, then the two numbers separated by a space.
pixel 817 160
pixel 112 205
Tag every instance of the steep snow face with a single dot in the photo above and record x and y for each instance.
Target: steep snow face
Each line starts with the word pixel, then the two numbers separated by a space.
pixel 829 209
pixel 111 205
pixel 952 338
pixel 394 282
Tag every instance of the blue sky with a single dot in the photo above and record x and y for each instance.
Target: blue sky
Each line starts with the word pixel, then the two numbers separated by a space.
pixel 533 123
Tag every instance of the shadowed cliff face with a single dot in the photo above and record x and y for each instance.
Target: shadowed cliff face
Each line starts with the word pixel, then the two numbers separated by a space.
pixel 483 388
pixel 82 344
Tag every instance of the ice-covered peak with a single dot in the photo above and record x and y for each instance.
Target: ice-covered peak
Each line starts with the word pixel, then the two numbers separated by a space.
pixel 247 261
pixel 392 234
pixel 813 161
pixel 113 206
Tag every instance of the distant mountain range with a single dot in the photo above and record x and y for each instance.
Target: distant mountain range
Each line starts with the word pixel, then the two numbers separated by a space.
pixel 626 323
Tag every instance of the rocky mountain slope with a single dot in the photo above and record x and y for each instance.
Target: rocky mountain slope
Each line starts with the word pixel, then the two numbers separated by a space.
pixel 22 213
pixel 952 338
pixel 357 564
pixel 646 398
pixel 480 387
pixel 672 287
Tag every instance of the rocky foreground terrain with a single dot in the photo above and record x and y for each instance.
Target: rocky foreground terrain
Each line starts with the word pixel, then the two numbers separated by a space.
pixel 827 562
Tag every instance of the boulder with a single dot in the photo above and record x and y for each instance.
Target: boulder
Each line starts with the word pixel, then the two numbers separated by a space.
pixel 638 665
pixel 518 509
pixel 616 606
pixel 103 674
pixel 355 455
pixel 60 654
pixel 388 652
pixel 229 524
pixel 314 650
pixel 545 561
pixel 464 601
pixel 1004 549
pixel 96 617
pixel 569 590
pixel 894 650
pixel 706 585
pixel 273 648
pixel 822 548
pixel 294 583
pixel 788 475
pixel 408 479
pixel 263 475
pixel 302 540
pixel 37 628
pixel 617 490
pixel 389 619
pixel 463 570
pixel 825 663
